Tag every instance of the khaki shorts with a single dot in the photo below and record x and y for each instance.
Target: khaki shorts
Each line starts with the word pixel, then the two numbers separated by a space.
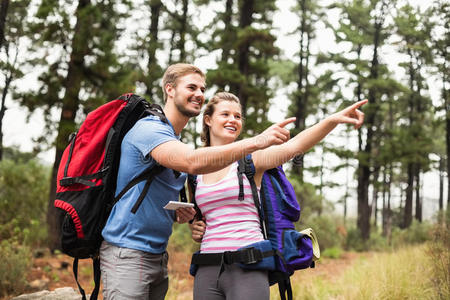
pixel 133 274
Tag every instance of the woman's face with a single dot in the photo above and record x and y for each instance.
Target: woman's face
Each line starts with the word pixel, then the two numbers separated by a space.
pixel 225 124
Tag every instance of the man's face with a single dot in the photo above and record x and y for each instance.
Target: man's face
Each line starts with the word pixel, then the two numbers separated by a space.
pixel 188 95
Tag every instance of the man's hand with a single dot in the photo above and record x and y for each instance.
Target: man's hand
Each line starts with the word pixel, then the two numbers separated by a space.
pixel 198 228
pixel 184 215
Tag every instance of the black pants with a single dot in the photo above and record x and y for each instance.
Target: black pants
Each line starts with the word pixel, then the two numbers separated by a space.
pixel 233 284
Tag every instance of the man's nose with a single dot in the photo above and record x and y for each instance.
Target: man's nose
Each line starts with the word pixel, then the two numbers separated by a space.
pixel 199 93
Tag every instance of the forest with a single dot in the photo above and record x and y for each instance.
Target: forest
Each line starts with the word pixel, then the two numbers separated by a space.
pixel 362 191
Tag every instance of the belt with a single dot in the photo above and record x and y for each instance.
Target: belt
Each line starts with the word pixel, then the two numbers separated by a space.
pixel 244 256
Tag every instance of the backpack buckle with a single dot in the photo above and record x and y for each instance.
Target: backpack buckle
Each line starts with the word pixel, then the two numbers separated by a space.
pixel 66 181
pixel 251 256
pixel 227 257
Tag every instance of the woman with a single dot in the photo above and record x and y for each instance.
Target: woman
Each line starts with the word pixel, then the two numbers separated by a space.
pixel 230 223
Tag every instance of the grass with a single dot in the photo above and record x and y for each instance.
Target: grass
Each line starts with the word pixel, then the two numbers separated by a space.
pixel 402 274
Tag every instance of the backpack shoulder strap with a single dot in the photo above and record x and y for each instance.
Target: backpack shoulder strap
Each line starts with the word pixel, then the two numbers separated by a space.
pixel 156 110
pixel 192 186
pixel 246 166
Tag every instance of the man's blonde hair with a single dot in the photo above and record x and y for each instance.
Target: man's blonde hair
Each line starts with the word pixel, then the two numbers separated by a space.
pixel 176 71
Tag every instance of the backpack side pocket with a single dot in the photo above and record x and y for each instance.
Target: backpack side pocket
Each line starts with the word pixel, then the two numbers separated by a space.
pixel 297 250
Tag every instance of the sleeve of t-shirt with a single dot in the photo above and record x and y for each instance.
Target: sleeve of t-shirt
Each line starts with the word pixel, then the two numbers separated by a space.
pixel 151 132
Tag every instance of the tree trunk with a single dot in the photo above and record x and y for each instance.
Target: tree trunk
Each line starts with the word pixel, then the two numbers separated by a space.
pixel 301 98
pixel 227 21
pixel 447 135
pixel 441 184
pixel 384 204
pixel 375 196
pixel 418 214
pixel 3 110
pixel 3 12
pixel 67 119
pixel 183 28
pixel 364 162
pixel 172 38
pixel 407 217
pixel 153 67
pixel 245 20
pixel 411 165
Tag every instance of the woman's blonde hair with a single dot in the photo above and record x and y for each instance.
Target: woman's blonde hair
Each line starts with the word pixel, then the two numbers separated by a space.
pixel 209 111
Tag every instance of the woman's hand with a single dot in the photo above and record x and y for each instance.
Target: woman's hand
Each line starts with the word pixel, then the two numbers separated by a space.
pixel 350 115
pixel 198 228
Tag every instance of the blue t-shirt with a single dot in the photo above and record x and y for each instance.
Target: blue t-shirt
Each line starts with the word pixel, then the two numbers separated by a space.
pixel 150 228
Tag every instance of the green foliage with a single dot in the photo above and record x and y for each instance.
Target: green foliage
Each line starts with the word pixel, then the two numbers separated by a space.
pixel 333 252
pixel 23 200
pixel 377 242
pixel 328 230
pixel 84 70
pixel 244 39
pixel 403 274
pixel 15 262
pixel 311 203
pixel 438 251
pixel 181 240
pixel 417 233
pixel 13 153
pixel 354 240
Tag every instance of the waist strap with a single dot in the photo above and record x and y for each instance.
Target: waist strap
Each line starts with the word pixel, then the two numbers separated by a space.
pixel 244 256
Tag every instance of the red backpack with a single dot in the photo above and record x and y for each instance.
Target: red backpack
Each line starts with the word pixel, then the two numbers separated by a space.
pixel 87 176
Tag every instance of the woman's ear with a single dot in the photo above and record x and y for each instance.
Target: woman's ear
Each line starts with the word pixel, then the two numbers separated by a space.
pixel 208 120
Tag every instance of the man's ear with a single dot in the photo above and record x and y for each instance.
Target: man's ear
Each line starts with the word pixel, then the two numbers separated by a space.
pixel 170 90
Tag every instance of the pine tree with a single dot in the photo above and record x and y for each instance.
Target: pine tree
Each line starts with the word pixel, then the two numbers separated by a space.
pixel 81 72
pixel 414 37
pixel 12 32
pixel 363 29
pixel 310 14
pixel 243 66
pixel 440 21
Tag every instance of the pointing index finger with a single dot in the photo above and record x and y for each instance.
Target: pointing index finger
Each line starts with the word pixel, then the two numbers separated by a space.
pixel 287 121
pixel 359 104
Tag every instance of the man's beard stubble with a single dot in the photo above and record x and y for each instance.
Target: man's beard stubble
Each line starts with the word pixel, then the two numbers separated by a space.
pixel 185 112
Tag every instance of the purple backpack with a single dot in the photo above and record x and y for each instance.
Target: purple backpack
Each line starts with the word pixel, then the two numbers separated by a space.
pixel 283 249
pixel 278 210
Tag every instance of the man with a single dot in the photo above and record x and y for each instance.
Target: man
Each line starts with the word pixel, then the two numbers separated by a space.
pixel 133 255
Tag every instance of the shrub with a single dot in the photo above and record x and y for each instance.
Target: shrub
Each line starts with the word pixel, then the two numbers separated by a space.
pixel 354 240
pixel 24 190
pixel 326 229
pixel 15 262
pixel 438 251
pixel 333 252
pixel 377 242
pixel 417 233
pixel 181 240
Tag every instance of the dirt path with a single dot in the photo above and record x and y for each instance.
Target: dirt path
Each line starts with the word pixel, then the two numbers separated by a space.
pixel 54 271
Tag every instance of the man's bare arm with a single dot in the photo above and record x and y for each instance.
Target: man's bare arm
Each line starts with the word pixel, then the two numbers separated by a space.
pixel 181 157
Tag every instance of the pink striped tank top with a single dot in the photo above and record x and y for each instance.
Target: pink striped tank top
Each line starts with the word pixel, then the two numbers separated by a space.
pixel 230 223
